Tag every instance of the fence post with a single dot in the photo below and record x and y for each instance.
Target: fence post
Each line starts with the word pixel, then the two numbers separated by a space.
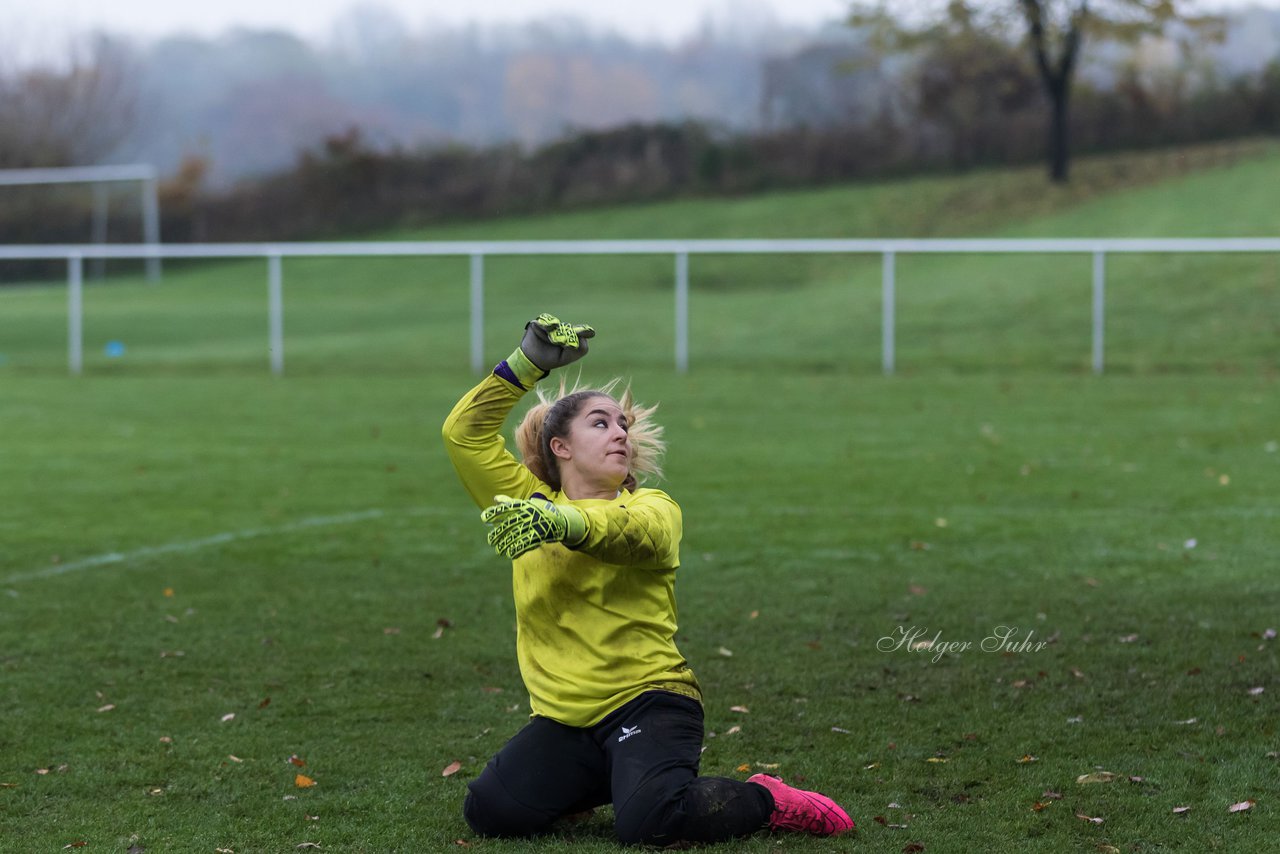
pixel 75 304
pixel 275 311
pixel 1099 308
pixel 477 313
pixel 887 298
pixel 682 312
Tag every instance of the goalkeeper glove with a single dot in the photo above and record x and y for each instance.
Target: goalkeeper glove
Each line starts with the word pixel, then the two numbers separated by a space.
pixel 519 525
pixel 548 343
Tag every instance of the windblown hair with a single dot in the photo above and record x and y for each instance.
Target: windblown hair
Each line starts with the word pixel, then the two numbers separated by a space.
pixel 551 416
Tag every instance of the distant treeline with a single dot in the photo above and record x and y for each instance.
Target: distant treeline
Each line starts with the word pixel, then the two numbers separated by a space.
pixel 347 187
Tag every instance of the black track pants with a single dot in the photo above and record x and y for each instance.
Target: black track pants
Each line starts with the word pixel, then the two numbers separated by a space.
pixel 643 759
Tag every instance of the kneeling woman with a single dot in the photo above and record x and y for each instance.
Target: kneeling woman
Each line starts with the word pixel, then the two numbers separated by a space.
pixel 617 713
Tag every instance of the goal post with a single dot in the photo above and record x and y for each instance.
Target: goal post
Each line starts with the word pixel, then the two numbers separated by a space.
pixel 143 174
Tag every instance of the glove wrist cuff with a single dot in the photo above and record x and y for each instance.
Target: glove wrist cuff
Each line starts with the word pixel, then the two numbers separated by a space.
pixel 524 370
pixel 576 531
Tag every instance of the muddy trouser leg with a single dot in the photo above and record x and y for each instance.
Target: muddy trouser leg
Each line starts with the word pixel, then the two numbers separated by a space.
pixel 654 744
pixel 545 772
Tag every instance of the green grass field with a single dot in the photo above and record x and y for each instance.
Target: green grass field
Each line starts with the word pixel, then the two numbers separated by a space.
pixel 186 538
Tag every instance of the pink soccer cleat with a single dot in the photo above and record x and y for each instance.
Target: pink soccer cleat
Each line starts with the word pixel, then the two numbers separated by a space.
pixel 807 812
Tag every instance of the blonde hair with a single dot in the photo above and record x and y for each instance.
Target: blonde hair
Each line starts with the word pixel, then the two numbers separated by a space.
pixel 550 418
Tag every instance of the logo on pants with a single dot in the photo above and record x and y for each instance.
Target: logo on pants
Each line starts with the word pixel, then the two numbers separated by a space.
pixel 627 732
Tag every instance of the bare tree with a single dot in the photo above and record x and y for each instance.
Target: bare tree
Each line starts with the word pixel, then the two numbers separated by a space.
pixel 1054 31
pixel 77 111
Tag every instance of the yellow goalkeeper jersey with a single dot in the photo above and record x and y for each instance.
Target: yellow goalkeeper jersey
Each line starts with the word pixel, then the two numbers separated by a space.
pixel 596 624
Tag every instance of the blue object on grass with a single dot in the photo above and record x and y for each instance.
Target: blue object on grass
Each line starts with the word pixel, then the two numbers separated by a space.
pixel 114 349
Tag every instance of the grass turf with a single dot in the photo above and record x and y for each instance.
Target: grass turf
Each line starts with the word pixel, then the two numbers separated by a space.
pixel 186 538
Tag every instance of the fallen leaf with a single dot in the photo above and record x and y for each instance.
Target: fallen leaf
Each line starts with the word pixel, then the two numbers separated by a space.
pixel 490 689
pixel 754 615
pixel 307 845
pixel 872 765
pixel 1027 758
pixel 742 710
pixel 733 730
pixel 311 817
pixel 229 716
pixel 295 759
pixel 1187 722
pixel 1051 796
pixel 164 739
pixel 1242 806
pixel 1040 805
pixel 8 785
pixel 42 771
pixel 302 781
pixel 1095 777
pixel 168 592
pixel 1181 810
pixel 879 819
pixel 840 729
pixel 451 769
pixel 108 707
pixel 918 546
pixel 391 630
pixel 936 759
pixel 224 851
pixel 913 848
pixel 266 701
pixel 78 844
pixel 744 767
pixel 1077 672
pixel 1127 638
pixel 1133 779
pixel 1092 819
pixel 155 792
pixel 234 758
pixel 917 590
pixel 726 652
pixel 1108 849
pixel 1256 691
pixel 1269 634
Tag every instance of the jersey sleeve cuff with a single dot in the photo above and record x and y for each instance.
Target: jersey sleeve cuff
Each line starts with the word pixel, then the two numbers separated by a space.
pixel 519 371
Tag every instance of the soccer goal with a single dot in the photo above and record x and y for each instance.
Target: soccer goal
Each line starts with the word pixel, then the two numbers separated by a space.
pixel 99 177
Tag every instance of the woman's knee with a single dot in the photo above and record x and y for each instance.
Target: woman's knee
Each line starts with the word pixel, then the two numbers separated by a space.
pixel 648 821
pixel 490 812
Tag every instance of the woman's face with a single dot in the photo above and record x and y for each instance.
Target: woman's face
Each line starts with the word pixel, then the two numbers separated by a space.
pixel 597 448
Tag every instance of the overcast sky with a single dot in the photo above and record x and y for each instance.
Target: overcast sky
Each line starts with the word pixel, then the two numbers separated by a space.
pixel 33 28
pixel 663 19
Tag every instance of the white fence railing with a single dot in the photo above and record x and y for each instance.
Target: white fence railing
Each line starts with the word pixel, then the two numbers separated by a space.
pixel 680 250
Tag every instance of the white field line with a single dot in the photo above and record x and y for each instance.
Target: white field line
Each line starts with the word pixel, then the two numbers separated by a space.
pixel 205 542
